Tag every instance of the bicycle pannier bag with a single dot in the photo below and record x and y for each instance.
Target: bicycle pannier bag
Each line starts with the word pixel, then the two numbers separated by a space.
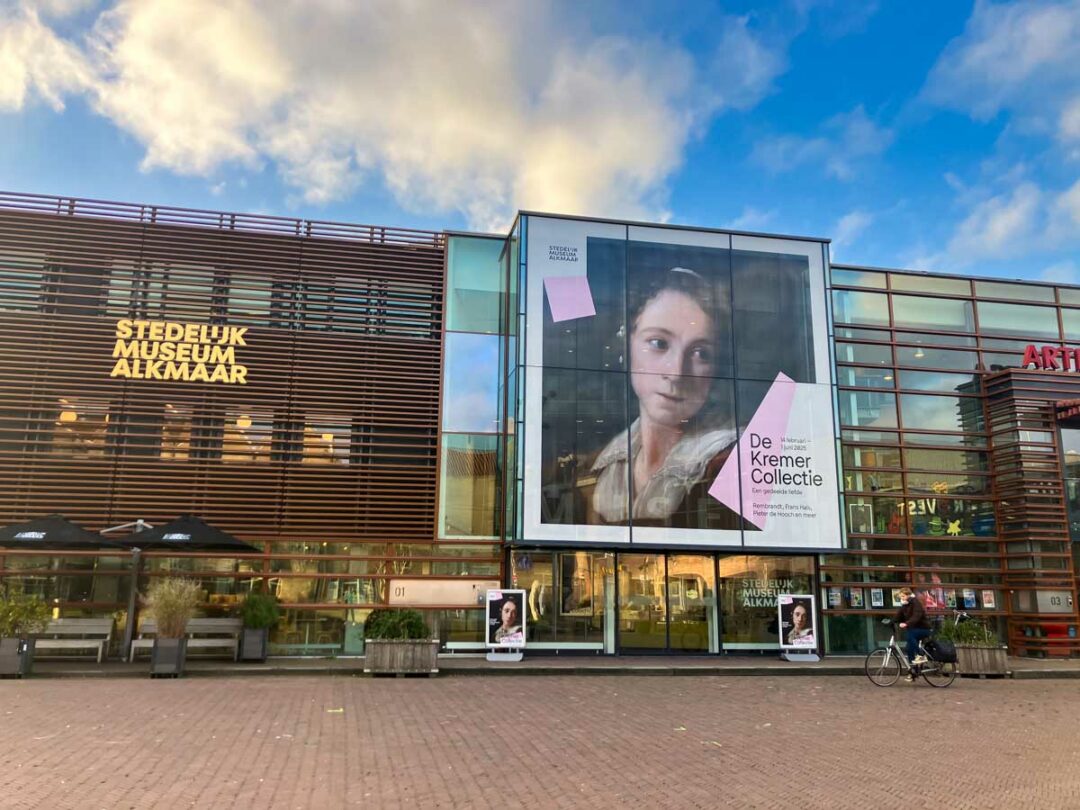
pixel 943 652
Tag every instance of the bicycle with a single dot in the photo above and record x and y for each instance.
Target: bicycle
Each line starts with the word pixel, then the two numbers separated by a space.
pixel 884 665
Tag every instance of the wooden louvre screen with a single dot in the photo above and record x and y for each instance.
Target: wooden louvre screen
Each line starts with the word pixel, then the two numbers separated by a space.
pixel 333 430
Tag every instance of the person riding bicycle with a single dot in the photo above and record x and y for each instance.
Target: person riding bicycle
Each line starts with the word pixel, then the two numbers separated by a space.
pixel 912 617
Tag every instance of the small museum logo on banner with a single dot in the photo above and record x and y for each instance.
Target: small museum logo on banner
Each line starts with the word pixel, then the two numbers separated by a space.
pixel 798 631
pixel 506 619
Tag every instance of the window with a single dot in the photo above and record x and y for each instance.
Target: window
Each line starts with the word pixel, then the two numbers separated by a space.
pixel 871 309
pixel 250 300
pixel 467 496
pixel 865 377
pixel 470 383
pixel 1018 319
pixel 870 456
pixel 867 409
pixel 858 278
pixel 1013 292
pixel 20 282
pixel 81 428
pixel 247 436
pixel 930 284
pixel 75 290
pixel 326 439
pixel 946 460
pixel 176 432
pixel 927 357
pixel 474 281
pixel 864 354
pixel 917 312
pixel 939 381
pixel 929 412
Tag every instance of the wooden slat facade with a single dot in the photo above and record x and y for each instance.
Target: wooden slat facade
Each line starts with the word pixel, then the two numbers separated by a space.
pixel 326 458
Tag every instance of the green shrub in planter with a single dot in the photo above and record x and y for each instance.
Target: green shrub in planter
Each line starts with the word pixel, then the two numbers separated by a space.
pixel 399 642
pixel 969 633
pixel 978 649
pixel 21 617
pixel 259 612
pixel 387 624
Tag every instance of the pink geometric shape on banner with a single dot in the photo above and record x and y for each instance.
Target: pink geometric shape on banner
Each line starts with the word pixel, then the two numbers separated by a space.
pixel 769 421
pixel 569 297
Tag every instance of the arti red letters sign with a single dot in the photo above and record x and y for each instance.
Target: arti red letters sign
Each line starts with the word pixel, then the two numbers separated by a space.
pixel 1052 358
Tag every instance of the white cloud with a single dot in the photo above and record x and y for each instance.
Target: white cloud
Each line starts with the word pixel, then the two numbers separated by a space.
pixel 846 140
pixel 998 227
pixel 1064 272
pixel 751 219
pixel 35 62
pixel 849 227
pixel 481 107
pixel 1018 57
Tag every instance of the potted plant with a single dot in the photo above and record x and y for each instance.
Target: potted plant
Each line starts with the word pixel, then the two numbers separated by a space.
pixel 21 617
pixel 171 603
pixel 259 612
pixel 398 642
pixel 978 650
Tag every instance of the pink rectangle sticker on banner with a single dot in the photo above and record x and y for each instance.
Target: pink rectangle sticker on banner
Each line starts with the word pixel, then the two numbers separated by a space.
pixel 569 297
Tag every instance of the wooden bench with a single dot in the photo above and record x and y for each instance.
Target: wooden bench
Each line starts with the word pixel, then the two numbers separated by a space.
pixel 94 635
pixel 202 634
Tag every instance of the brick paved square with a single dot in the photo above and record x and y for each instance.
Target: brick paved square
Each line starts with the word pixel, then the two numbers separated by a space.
pixel 552 741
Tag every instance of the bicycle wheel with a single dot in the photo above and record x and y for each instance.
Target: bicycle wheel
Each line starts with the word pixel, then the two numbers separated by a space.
pixel 939 675
pixel 883 667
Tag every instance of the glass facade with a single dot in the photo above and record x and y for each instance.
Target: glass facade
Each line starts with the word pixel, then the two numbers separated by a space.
pixel 536 462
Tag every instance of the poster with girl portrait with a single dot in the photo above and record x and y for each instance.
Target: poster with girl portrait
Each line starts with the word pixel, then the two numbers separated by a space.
pixel 506 619
pixel 677 388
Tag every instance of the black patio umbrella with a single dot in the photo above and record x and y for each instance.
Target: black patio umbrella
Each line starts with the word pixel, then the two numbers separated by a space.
pixel 53 533
pixel 188 533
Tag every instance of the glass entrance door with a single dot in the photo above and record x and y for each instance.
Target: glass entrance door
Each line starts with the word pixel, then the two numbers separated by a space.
pixel 691 603
pixel 642 603
pixel 667 603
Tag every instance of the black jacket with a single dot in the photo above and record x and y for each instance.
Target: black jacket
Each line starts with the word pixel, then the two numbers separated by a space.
pixel 913 614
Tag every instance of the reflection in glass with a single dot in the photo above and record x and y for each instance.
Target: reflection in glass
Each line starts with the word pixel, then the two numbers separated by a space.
pixel 1012 291
pixel 844 277
pixel 927 357
pixel 642 602
pixel 467 486
pixel 867 409
pixel 474 280
pixel 930 412
pixel 866 354
pixel 940 381
pixel 1017 319
pixel 869 309
pixel 930 284
pixel 918 312
pixel 692 608
pixel 857 377
pixel 471 383
pixel 749 586
pixel 566 595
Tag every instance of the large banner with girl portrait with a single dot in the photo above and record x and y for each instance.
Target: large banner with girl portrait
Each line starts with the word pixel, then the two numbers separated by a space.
pixel 677 388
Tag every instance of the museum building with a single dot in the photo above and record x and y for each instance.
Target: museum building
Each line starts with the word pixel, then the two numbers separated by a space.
pixel 652 430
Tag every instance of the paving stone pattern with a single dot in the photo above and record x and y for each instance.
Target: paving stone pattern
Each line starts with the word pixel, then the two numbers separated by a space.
pixel 537 742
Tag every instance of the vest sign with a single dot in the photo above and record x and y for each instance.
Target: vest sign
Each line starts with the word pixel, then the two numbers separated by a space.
pixel 166 350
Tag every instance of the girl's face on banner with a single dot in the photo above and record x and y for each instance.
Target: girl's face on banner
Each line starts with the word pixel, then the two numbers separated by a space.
pixel 672 357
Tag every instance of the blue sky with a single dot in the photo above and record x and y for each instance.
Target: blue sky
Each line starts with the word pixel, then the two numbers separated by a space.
pixel 936 136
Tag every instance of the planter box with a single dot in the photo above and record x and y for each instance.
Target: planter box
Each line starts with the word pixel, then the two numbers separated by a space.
pixel 167 657
pixel 254 642
pixel 981 660
pixel 401 657
pixel 16 657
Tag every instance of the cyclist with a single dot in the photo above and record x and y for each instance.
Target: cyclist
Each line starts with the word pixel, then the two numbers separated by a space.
pixel 912 617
